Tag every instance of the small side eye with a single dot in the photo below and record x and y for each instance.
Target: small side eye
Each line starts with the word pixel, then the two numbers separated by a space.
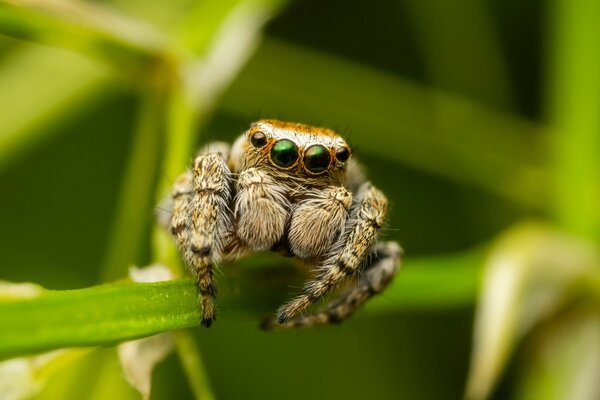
pixel 317 159
pixel 258 139
pixel 284 153
pixel 342 154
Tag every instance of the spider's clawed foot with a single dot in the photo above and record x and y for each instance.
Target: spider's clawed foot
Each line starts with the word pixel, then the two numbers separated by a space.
pixel 208 309
pixel 321 318
pixel 383 265
pixel 208 321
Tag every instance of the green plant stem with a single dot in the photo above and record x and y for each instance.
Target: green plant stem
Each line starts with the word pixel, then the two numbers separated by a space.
pixel 117 312
pixel 135 203
pixel 573 109
pixel 97 315
pixel 189 354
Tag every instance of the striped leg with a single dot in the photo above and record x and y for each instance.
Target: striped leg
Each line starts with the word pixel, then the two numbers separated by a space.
pixel 200 214
pixel 384 264
pixel 348 254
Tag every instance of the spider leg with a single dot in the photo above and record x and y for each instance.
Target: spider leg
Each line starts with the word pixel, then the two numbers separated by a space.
pixel 309 237
pixel 200 211
pixel 348 254
pixel 261 209
pixel 384 263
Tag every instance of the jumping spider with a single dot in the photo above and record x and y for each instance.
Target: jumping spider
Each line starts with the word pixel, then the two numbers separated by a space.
pixel 293 189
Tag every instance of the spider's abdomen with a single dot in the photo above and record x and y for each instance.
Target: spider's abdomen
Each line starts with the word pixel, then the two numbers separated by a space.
pixel 317 221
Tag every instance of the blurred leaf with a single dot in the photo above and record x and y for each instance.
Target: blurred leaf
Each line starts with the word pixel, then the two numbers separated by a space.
pixel 230 46
pixel 198 36
pixel 462 49
pixel 89 27
pixel 83 373
pixel 573 110
pixel 431 130
pixel 138 358
pixel 41 87
pixel 563 361
pixel 17 380
pixel 532 272
pixel 10 290
pixel 108 382
pixel 24 378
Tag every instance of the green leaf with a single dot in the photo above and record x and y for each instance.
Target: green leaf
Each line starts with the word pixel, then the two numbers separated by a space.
pixel 98 315
pixel 562 361
pixel 113 313
pixel 87 27
pixel 532 272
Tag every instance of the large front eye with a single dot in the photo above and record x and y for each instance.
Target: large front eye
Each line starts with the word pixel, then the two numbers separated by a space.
pixel 317 158
pixel 284 153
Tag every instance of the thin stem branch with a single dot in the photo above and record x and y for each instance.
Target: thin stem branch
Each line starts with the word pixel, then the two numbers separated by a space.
pixel 573 109
pixel 135 203
pixel 117 312
pixel 193 366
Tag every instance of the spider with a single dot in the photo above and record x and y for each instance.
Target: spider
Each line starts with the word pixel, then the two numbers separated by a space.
pixel 292 189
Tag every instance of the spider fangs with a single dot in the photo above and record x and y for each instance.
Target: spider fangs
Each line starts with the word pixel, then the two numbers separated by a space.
pixel 290 188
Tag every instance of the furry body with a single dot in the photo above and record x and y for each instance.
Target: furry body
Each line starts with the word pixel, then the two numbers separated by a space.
pixel 290 188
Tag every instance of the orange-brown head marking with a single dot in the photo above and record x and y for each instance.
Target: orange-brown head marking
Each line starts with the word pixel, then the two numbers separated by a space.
pixel 297 147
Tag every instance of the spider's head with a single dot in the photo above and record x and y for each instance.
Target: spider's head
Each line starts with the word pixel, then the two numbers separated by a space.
pixel 296 148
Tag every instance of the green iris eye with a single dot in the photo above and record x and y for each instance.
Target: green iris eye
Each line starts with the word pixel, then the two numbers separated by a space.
pixel 284 153
pixel 317 158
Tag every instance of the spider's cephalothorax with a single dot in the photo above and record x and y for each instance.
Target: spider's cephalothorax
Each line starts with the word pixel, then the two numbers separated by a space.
pixel 293 189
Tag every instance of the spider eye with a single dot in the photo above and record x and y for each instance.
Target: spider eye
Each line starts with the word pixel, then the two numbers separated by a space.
pixel 342 154
pixel 284 153
pixel 258 139
pixel 317 158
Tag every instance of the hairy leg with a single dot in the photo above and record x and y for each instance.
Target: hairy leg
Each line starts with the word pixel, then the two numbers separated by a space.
pixel 348 254
pixel 384 264
pixel 261 209
pixel 200 213
pixel 318 220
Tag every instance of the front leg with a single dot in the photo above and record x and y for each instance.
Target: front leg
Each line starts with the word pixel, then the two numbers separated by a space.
pixel 348 254
pixel 318 220
pixel 383 264
pixel 261 209
pixel 200 216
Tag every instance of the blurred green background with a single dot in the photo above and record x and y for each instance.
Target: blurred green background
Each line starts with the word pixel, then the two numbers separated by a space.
pixel 471 115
